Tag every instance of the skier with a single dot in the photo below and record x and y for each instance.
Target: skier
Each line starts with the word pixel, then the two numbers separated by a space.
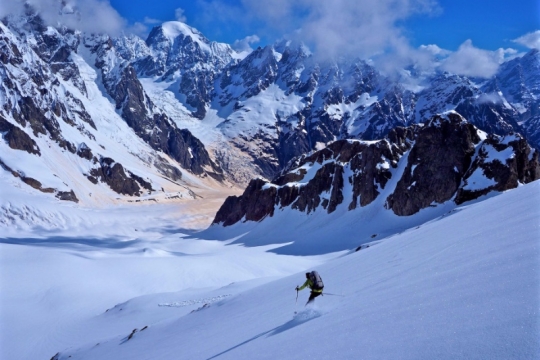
pixel 314 281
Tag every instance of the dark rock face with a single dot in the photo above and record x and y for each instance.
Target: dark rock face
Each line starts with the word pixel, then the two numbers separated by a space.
pixel 113 174
pixel 155 128
pixel 254 204
pixel 291 144
pixel 145 184
pixel 67 196
pixel 532 128
pixel 18 139
pixel 168 170
pixel 191 154
pixel 372 169
pixel 197 86
pixel 441 154
pixel 446 160
pixel 42 101
pixel 491 117
pixel 388 113
pixel 85 152
pixel 505 171
pixel 252 75
pixel 309 195
pixel 363 160
pixel 40 124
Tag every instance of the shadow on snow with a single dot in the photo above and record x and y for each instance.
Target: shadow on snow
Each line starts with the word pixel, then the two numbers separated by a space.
pixel 299 319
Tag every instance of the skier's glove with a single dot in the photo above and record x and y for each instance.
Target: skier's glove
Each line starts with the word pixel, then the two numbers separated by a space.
pixel 296 288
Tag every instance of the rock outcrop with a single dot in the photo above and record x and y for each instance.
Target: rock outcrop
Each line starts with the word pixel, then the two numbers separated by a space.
pixel 18 139
pixel 113 174
pixel 446 159
pixel 442 152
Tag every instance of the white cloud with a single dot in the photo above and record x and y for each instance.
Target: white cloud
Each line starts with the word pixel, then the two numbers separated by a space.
pixel 434 50
pixel 97 16
pixel 360 28
pixel 490 98
pixel 150 21
pixel 141 29
pixel 179 15
pixel 530 40
pixel 471 61
pixel 244 45
pixel 138 29
pixel 371 28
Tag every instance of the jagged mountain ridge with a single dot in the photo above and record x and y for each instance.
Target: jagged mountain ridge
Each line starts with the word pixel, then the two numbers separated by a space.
pixel 447 159
pixel 230 116
pixel 280 95
pixel 63 136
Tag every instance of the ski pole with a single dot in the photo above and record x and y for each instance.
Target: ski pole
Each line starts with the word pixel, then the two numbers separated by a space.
pixel 332 294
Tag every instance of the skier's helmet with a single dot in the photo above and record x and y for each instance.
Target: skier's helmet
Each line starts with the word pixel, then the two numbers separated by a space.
pixel 307 275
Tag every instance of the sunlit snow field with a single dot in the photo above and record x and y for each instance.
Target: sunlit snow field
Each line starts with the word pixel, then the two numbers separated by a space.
pixel 57 284
pixel 465 285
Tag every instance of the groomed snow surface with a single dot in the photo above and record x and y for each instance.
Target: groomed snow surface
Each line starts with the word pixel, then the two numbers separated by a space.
pixel 463 286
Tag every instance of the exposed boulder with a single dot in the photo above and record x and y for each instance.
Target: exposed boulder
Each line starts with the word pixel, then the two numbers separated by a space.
pixel 67 196
pixel 85 152
pixel 36 184
pixel 114 175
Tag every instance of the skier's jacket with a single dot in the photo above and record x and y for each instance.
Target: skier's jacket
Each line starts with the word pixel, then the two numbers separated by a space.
pixel 310 284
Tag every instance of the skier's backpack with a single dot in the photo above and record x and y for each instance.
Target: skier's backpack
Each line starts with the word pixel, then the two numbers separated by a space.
pixel 316 280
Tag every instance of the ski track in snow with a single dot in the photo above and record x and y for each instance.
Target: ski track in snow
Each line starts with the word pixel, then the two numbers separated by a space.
pixel 198 301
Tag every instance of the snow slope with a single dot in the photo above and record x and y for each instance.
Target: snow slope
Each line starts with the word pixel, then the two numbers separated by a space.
pixel 463 286
pixel 59 286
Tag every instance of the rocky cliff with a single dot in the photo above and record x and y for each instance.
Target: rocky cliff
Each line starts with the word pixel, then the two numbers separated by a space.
pixel 445 159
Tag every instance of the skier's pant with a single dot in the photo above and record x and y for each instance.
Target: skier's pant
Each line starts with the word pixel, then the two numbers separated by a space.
pixel 312 296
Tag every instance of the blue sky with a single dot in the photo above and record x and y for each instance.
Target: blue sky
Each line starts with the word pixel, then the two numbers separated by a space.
pixel 490 24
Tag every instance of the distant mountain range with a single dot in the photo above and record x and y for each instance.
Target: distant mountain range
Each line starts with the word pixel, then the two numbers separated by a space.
pixel 84 114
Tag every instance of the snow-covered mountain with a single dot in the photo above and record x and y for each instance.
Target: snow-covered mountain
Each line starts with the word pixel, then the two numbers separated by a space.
pixel 518 81
pixel 179 107
pixel 425 170
pixel 78 125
